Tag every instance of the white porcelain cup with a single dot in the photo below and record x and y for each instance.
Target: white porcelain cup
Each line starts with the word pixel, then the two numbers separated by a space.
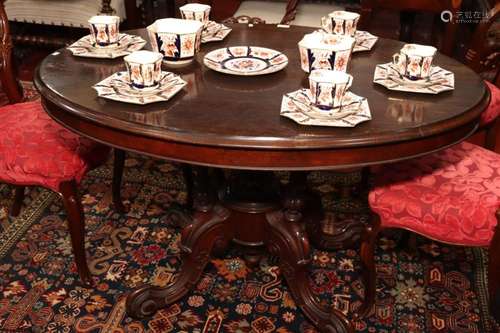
pixel 178 40
pixel 104 30
pixel 196 11
pixel 328 88
pixel 341 22
pixel 321 50
pixel 414 61
pixel 144 69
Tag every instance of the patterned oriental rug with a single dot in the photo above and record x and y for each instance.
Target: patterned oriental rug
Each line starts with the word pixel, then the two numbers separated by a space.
pixel 438 289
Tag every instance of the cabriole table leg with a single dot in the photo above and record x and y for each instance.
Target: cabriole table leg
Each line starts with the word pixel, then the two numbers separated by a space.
pixel 208 230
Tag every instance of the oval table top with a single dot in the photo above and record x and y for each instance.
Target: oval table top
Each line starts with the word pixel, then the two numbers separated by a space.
pixel 234 121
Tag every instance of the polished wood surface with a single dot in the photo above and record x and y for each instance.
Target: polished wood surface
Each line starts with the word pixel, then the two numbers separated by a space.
pixel 227 121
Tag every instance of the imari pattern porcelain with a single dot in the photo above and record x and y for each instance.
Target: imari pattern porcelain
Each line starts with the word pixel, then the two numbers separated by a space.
pixel 196 11
pixel 320 50
pixel 144 69
pixel 118 87
pixel 414 61
pixel 127 44
pixel 104 30
pixel 246 60
pixel 214 32
pixel 340 23
pixel 328 88
pixel 178 40
pixel 298 107
pixel 364 41
pixel 439 80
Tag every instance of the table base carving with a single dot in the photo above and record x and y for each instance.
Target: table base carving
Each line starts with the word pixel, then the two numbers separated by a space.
pixel 253 224
pixel 332 233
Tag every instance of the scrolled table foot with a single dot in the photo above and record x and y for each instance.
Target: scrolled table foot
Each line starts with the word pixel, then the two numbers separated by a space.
pixel 288 240
pixel 144 302
pixel 208 230
pixel 179 216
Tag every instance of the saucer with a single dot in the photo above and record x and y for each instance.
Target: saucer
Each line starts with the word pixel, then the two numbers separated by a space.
pixel 297 106
pixel 117 87
pixel 364 41
pixel 214 32
pixel 440 80
pixel 126 45
pixel 245 60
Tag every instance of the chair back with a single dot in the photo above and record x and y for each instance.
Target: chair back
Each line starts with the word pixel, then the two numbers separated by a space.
pixel 430 6
pixel 10 85
pixel 483 54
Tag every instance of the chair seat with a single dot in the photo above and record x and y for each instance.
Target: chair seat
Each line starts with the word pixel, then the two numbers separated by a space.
pixel 450 196
pixel 493 110
pixel 35 150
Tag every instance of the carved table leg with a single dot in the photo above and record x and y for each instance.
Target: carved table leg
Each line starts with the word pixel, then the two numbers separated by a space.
pixel 288 241
pixel 251 218
pixel 198 240
pixel 332 233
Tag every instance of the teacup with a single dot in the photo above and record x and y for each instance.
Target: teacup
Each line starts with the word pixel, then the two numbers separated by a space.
pixel 144 69
pixel 104 30
pixel 178 40
pixel 328 88
pixel 320 50
pixel 197 12
pixel 414 61
pixel 341 23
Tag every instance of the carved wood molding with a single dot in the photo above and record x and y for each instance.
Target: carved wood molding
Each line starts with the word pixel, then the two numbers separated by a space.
pixel 245 19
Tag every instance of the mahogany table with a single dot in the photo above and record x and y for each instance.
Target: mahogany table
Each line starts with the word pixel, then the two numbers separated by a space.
pixel 233 122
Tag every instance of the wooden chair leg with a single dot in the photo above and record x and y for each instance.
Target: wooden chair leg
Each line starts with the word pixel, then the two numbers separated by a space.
pixel 76 226
pixel 118 164
pixel 18 201
pixel 368 243
pixel 494 273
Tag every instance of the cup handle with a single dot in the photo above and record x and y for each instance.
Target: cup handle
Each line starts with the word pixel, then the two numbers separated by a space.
pixel 324 23
pixel 349 83
pixel 395 58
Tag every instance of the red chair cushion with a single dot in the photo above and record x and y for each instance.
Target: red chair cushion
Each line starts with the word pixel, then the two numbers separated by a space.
pixel 450 196
pixel 35 150
pixel 493 110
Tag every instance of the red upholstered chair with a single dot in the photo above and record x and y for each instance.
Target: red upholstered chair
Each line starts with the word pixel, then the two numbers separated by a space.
pixel 452 196
pixel 35 150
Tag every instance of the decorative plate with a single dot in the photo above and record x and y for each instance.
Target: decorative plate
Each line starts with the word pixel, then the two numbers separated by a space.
pixel 440 80
pixel 364 41
pixel 297 106
pixel 214 32
pixel 126 45
pixel 246 60
pixel 117 87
